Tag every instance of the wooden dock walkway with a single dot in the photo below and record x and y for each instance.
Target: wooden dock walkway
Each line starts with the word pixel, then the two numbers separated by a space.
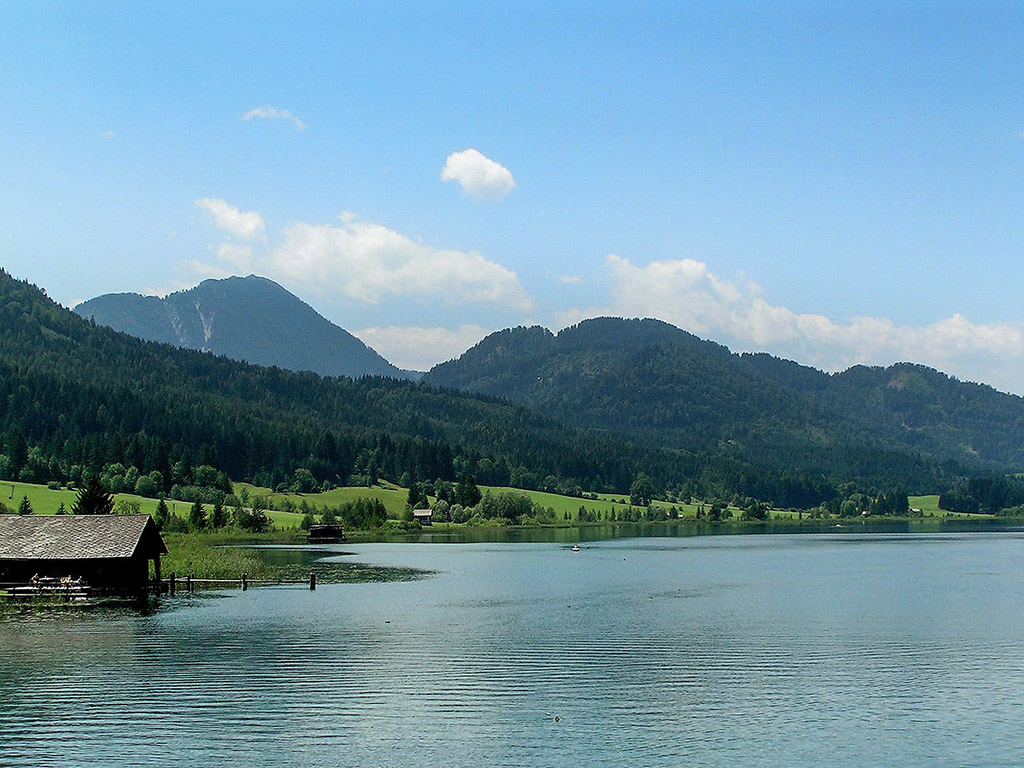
pixel 67 590
pixel 49 588
pixel 174 583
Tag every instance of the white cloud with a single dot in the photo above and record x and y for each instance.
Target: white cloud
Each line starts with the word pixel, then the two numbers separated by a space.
pixel 365 262
pixel 419 348
pixel 571 279
pixel 687 294
pixel 479 176
pixel 108 134
pixel 268 112
pixel 245 224
pixel 361 261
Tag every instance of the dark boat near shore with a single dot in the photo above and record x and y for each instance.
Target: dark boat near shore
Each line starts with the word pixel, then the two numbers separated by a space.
pixel 325 534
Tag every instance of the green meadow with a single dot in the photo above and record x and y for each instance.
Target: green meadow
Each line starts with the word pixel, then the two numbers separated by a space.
pixel 929 506
pixel 46 502
pixel 392 495
pixel 605 502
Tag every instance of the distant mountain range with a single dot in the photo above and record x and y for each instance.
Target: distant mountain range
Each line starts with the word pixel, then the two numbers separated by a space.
pixel 245 318
pixel 642 381
pixel 653 381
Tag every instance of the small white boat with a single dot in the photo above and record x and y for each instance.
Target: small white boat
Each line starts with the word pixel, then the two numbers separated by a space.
pixel 575 547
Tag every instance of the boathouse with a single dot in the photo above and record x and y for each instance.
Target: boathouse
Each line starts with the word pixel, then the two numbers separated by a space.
pixel 109 552
pixel 425 516
pixel 325 534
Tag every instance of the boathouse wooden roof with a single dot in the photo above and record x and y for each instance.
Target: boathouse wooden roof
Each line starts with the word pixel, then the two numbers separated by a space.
pixel 79 537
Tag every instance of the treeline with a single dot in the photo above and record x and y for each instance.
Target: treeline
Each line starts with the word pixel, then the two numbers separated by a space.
pixel 776 429
pixel 991 495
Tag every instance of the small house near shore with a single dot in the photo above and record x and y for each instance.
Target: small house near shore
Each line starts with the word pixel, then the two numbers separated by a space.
pixel 425 516
pixel 109 552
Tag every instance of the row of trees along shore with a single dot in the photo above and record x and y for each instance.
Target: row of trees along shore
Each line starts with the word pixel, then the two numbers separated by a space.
pixel 214 506
pixel 183 480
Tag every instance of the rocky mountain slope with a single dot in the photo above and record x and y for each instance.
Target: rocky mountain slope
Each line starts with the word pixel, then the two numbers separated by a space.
pixel 245 318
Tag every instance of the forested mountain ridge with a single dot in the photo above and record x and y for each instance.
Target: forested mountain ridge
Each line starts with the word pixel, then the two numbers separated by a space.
pixel 914 406
pixel 245 318
pixel 74 393
pixel 659 383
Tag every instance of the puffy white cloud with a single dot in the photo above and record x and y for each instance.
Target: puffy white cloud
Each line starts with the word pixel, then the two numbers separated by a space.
pixel 361 261
pixel 419 348
pixel 688 294
pixel 227 218
pixel 478 175
pixel 365 262
pixel 268 112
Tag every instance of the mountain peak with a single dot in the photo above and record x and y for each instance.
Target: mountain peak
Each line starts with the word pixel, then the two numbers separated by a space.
pixel 248 318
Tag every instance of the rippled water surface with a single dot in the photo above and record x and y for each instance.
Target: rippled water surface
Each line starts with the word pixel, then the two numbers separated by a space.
pixel 783 650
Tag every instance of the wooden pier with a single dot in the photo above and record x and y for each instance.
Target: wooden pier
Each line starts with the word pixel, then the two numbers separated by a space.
pixel 48 588
pixel 61 590
pixel 174 583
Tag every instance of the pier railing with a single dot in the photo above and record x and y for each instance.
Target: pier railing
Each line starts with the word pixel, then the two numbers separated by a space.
pixel 62 589
pixel 174 583
pixel 77 590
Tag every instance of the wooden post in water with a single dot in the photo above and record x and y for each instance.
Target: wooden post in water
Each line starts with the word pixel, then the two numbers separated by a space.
pixel 170 581
pixel 188 583
pixel 245 581
pixel 312 581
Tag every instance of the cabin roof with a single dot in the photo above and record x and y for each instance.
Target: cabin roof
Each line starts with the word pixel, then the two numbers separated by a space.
pixel 78 537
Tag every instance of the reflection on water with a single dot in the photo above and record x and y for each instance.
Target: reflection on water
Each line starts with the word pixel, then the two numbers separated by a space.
pixel 686 528
pixel 730 651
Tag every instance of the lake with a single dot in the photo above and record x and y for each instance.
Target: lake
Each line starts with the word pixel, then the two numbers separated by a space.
pixel 748 650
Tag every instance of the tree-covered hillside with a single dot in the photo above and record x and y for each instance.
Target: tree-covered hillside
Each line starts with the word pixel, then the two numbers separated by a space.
pixel 651 380
pixel 74 393
pixel 913 406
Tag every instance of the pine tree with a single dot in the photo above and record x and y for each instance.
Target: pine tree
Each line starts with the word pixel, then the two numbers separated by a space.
pixel 93 499
pixel 25 507
pixel 467 493
pixel 162 514
pixel 220 514
pixel 62 510
pixel 197 516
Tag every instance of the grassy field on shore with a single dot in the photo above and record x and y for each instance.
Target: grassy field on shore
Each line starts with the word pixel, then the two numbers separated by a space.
pixel 46 502
pixel 606 502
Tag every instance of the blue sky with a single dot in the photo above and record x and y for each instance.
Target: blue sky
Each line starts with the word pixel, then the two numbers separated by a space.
pixel 834 183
